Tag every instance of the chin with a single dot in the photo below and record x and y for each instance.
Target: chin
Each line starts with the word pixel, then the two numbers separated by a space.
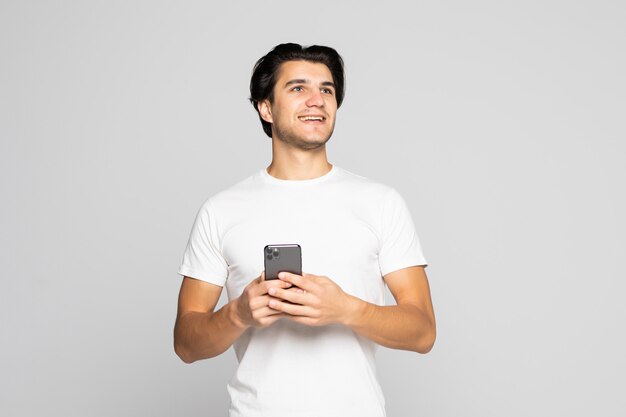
pixel 316 141
pixel 306 143
pixel 311 145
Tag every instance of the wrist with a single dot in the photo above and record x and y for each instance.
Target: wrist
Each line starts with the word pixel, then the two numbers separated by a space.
pixel 355 308
pixel 233 314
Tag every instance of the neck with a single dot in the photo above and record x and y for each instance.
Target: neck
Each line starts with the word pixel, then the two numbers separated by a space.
pixel 298 164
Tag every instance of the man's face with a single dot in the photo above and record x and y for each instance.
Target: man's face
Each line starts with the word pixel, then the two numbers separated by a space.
pixel 303 110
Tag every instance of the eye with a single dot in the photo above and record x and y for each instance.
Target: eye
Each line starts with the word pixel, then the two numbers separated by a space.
pixel 327 91
pixel 297 89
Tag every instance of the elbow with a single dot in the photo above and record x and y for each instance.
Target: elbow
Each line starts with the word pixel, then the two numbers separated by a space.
pixel 426 342
pixel 425 347
pixel 182 353
pixel 181 344
pixel 186 352
pixel 181 348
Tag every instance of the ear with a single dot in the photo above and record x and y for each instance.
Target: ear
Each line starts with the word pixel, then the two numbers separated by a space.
pixel 265 110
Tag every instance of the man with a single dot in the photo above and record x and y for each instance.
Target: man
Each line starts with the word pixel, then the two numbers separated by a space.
pixel 305 344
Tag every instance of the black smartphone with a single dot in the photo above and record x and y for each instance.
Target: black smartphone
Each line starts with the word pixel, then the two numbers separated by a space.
pixel 282 258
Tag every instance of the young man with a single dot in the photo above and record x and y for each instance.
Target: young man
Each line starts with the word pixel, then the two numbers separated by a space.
pixel 305 344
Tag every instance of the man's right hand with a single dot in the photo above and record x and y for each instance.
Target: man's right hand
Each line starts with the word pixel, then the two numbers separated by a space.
pixel 252 306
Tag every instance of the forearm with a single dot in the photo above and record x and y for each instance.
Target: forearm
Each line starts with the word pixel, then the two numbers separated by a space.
pixel 404 326
pixel 200 335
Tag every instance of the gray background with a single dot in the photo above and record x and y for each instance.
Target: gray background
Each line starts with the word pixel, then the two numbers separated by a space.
pixel 502 124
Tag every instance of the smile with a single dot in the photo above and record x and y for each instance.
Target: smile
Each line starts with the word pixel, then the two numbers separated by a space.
pixel 312 118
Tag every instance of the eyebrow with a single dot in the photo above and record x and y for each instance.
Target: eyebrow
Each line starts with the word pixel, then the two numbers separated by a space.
pixel 305 81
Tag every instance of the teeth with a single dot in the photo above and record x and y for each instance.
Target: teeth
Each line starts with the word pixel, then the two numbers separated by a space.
pixel 316 118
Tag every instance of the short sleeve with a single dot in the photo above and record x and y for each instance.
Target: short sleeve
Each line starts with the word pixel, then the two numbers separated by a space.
pixel 202 258
pixel 400 246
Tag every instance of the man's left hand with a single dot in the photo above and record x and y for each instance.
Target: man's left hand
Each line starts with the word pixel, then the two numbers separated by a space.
pixel 314 300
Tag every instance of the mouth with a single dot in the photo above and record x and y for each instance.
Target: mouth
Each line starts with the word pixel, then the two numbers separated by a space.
pixel 312 118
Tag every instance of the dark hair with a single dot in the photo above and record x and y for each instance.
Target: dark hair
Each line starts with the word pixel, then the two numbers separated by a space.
pixel 265 72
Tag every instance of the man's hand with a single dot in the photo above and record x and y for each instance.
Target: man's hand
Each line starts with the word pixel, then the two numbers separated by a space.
pixel 316 301
pixel 252 306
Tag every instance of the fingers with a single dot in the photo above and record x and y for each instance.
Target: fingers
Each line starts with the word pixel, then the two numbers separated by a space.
pixel 308 321
pixel 266 301
pixel 291 309
pixel 259 286
pixel 305 282
pixel 269 320
pixel 265 312
pixel 295 296
pixel 251 289
pixel 258 303
pixel 261 315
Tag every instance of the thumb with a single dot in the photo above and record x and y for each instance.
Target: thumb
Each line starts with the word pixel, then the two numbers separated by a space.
pixel 257 280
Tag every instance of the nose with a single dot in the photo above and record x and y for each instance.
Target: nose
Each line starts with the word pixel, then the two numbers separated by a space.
pixel 315 99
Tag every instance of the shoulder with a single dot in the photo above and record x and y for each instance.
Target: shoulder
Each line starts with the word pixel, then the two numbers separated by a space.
pixel 234 194
pixel 372 188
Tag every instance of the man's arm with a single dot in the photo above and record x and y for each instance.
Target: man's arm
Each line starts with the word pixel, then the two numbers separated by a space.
pixel 201 333
pixel 409 325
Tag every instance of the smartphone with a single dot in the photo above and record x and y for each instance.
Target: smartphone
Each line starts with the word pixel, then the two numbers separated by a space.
pixel 282 258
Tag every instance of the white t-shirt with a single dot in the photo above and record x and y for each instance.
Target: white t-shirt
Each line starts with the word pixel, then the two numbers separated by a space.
pixel 352 230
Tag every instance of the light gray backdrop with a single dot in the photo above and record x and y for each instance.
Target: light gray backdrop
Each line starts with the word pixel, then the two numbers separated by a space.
pixel 502 124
